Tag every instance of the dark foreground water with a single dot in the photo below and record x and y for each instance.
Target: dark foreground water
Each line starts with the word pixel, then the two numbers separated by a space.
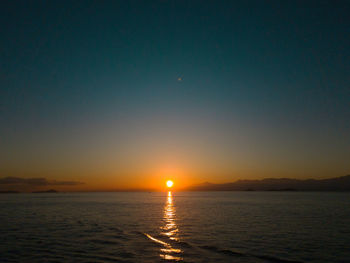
pixel 188 227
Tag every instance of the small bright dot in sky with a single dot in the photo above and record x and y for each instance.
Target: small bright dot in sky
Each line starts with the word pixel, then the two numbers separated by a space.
pixel 169 183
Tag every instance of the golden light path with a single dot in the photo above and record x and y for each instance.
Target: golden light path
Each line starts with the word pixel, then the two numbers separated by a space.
pixel 169 230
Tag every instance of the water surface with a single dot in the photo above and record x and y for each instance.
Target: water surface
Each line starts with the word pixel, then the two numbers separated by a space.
pixel 175 227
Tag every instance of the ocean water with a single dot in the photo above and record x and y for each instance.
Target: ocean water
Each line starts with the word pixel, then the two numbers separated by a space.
pixel 175 227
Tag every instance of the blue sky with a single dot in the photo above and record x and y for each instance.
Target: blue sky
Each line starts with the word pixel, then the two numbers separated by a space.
pixel 94 86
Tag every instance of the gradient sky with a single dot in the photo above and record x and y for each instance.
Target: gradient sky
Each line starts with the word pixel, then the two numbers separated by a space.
pixel 125 94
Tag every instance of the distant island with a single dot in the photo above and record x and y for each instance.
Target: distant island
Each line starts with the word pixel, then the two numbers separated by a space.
pixel 278 184
pixel 9 192
pixel 47 191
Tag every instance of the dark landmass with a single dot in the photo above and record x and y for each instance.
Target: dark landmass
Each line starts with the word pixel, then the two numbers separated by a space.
pixel 38 181
pixel 47 191
pixel 278 184
pixel 9 192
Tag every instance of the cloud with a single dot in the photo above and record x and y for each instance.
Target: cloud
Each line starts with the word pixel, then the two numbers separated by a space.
pixel 35 181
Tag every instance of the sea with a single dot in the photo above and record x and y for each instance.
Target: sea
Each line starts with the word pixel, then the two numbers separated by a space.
pixel 176 227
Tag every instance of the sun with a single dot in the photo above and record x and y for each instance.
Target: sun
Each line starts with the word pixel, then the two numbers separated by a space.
pixel 169 183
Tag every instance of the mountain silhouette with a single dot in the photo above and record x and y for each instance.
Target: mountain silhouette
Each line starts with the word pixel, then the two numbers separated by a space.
pixel 278 184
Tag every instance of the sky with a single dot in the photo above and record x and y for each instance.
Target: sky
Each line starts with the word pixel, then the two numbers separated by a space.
pixel 126 94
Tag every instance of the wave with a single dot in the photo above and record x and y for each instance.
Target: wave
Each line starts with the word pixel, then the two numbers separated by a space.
pixel 239 254
pixel 222 251
pixel 227 252
pixel 276 260
pixel 103 242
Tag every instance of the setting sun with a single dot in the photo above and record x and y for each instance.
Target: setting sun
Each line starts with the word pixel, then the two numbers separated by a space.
pixel 169 183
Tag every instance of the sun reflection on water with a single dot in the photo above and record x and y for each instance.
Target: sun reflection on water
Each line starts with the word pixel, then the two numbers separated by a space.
pixel 169 230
